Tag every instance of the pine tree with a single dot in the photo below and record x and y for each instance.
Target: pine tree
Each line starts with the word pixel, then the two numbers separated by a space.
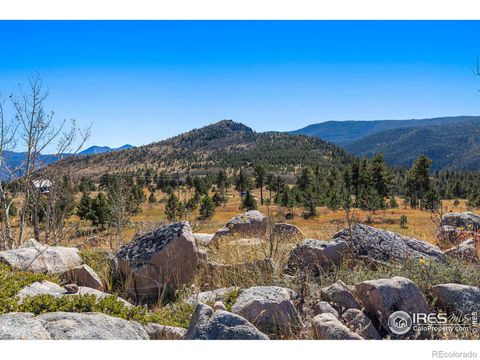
pixel 249 202
pixel 152 199
pixel 84 206
pixel 207 208
pixel 260 178
pixel 172 207
pixel 100 214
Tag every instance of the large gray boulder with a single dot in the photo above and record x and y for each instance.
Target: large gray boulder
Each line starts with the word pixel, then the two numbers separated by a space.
pixel 340 295
pixel 385 246
pixel 207 324
pixel 383 297
pixel 83 275
pixel 163 259
pixel 49 288
pixel 457 298
pixel 358 322
pixel 316 256
pixel 22 326
pixel 269 308
pixel 252 224
pixel 164 332
pixel 35 257
pixel 327 327
pixel 90 326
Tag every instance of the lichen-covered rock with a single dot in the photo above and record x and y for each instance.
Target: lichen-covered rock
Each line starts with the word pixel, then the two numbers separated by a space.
pixel 327 327
pixel 358 322
pixel 90 326
pixel 164 258
pixel 457 298
pixel 383 297
pixel 22 326
pixel 35 257
pixel 207 324
pixel 164 332
pixel 252 224
pixel 385 245
pixel 324 307
pixel 316 256
pixel 340 295
pixel 83 275
pixel 269 308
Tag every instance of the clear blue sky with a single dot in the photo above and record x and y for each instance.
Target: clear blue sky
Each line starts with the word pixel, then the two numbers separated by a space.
pixel 139 82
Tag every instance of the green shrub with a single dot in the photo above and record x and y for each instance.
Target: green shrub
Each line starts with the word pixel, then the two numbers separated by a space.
pixel 12 281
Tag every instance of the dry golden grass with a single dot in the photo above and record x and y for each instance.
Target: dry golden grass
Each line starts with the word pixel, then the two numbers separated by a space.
pixel 421 224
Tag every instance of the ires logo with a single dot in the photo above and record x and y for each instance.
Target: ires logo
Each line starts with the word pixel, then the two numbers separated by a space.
pixel 401 322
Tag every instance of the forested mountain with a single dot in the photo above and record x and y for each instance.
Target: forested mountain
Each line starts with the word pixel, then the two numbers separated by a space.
pixel 345 132
pixel 225 144
pixel 454 146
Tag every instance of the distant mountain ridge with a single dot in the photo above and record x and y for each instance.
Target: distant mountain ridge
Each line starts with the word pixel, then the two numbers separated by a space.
pixel 451 142
pixel 454 146
pixel 14 160
pixel 345 132
pixel 92 150
pixel 222 145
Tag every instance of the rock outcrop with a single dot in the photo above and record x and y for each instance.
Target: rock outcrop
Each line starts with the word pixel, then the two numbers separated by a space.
pixel 324 307
pixel 22 326
pixel 453 224
pixel 457 298
pixel 340 295
pixel 327 327
pixel 90 326
pixel 359 323
pixel 164 332
pixel 83 275
pixel 252 224
pixel 383 297
pixel 209 297
pixel 386 246
pixel 287 232
pixel 35 257
pixel 269 308
pixel 316 256
pixel 163 259
pixel 207 324
pixel 466 250
pixel 68 326
pixel 55 290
